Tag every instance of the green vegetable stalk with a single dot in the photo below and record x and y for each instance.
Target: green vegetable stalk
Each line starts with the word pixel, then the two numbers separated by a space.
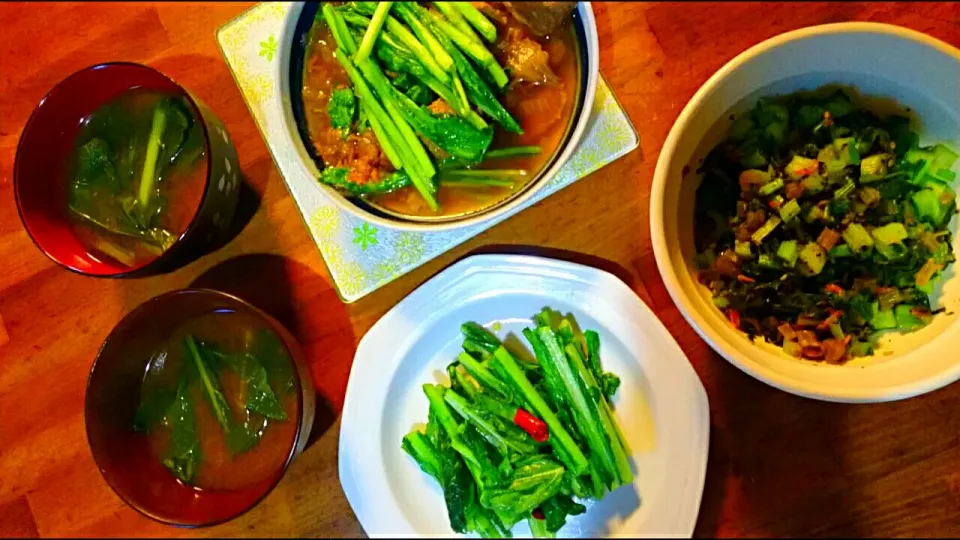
pixel 183 455
pixel 370 37
pixel 588 418
pixel 406 12
pixel 504 437
pixel 388 133
pixel 473 49
pixel 435 394
pixel 578 462
pixel 456 18
pixel 478 20
pixel 210 385
pixel 148 177
pixel 422 450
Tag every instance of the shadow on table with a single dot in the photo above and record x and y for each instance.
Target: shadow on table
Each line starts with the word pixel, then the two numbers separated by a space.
pixel 561 254
pixel 773 468
pixel 305 304
pixel 248 203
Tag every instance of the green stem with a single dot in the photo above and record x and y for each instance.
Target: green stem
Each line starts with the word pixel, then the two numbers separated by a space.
pixel 514 151
pixel 370 37
pixel 473 49
pixel 408 12
pixel 486 429
pixel 388 96
pixel 391 132
pixel 483 375
pixel 407 38
pixel 478 20
pixel 458 21
pixel 538 528
pixel 382 137
pixel 486 173
pixel 148 176
pixel 474 182
pixel 447 422
pixel 339 29
pixel 208 384
pixel 607 420
pixel 584 410
pixel 578 462
pixel 454 95
pixel 421 449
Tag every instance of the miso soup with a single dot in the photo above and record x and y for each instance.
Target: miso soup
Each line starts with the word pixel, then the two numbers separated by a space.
pixel 137 174
pixel 219 402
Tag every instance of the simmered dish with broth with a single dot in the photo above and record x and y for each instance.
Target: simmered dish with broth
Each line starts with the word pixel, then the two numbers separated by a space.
pixel 820 224
pixel 439 109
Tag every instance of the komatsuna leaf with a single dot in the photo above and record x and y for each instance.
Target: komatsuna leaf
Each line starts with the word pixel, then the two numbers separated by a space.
pixel 242 431
pixel 95 165
pixel 240 435
pixel 259 396
pixel 455 479
pixel 272 355
pixel 183 454
pixel 452 134
pixel 154 405
pixel 557 508
pixel 341 108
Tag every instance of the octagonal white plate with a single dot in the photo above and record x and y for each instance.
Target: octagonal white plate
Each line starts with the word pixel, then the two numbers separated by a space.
pixel 661 402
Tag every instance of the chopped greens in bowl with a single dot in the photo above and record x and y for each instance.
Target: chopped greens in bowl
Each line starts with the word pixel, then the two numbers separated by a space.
pixel 819 224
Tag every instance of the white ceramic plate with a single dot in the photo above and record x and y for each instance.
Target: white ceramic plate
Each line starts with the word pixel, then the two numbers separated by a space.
pixel 882 62
pixel 661 403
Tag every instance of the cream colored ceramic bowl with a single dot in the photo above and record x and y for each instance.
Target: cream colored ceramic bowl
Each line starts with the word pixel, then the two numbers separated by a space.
pixel 291 51
pixel 880 61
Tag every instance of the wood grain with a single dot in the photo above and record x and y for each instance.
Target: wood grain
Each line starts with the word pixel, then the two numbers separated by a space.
pixel 779 464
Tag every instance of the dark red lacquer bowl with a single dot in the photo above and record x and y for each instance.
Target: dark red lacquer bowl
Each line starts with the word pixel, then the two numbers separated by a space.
pixel 124 456
pixel 41 170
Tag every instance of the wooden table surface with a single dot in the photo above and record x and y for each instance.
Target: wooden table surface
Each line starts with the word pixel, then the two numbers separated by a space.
pixel 779 464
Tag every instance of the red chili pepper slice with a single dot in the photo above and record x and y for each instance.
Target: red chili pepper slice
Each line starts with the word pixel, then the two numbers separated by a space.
pixel 833 288
pixel 734 317
pixel 532 425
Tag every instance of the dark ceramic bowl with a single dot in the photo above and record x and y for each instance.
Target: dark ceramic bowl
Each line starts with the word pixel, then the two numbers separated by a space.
pixel 41 170
pixel 124 456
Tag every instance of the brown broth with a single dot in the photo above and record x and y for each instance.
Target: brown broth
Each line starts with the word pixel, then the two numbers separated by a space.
pixel 182 186
pixel 534 107
pixel 218 468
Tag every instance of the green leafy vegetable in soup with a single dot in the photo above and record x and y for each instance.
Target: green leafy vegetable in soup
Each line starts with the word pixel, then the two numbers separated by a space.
pixel 512 440
pixel 136 176
pixel 819 224
pixel 208 410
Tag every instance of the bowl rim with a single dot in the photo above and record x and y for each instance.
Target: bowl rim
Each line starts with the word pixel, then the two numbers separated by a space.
pixel 575 134
pixel 745 362
pixel 273 323
pixel 170 253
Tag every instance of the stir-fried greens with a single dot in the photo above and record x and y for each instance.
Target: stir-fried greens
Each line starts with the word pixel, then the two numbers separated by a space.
pixel 819 224
pixel 511 440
